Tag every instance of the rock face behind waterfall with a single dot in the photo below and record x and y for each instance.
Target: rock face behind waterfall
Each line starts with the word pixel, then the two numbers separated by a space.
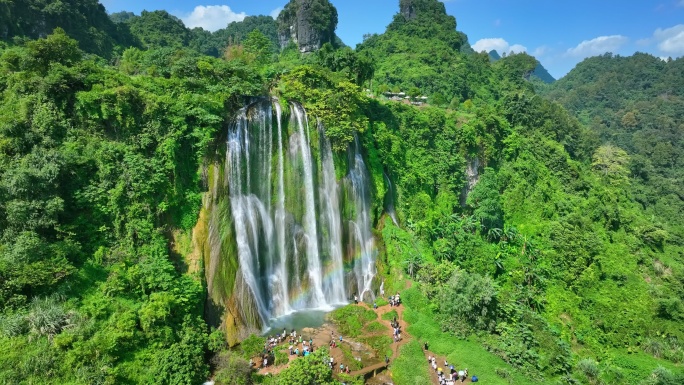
pixel 308 23
pixel 278 231
pixel 472 175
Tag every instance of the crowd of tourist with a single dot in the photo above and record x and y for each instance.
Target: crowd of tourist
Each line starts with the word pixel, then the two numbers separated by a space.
pixel 298 346
pixel 448 375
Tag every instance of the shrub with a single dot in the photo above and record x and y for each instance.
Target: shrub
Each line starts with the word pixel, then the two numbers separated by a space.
pixel 313 369
pixel 232 369
pixel 48 318
pixel 589 368
pixel 217 340
pixel 505 374
pixel 13 325
pixel 468 301
pixel 662 376
pixel 252 346
pixel 653 347
pixel 351 380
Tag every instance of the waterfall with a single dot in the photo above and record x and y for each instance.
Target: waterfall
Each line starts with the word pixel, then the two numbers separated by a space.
pixel 287 214
pixel 310 223
pixel 330 208
pixel 360 228
pixel 282 297
pixel 390 200
pixel 247 208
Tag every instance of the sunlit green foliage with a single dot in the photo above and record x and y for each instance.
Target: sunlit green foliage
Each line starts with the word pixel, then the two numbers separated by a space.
pixel 339 104
pixel 543 238
pixel 94 164
pixel 310 370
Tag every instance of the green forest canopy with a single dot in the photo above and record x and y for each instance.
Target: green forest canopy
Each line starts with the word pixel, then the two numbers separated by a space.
pixel 565 259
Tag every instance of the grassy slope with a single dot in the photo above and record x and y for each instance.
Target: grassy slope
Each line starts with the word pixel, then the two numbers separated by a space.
pixel 462 353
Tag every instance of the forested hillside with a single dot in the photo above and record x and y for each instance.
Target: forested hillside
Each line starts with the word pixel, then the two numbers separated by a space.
pixel 540 231
pixel 98 165
pixel 84 20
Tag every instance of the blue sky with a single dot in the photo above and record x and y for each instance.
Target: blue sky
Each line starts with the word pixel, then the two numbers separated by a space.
pixel 559 33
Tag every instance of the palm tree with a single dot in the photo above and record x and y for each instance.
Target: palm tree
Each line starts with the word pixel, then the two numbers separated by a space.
pixel 494 233
pixel 413 263
pixel 510 234
pixel 498 263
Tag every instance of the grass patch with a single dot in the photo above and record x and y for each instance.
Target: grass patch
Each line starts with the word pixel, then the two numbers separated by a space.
pixel 381 302
pixel 281 357
pixel 381 344
pixel 410 367
pixel 351 319
pixel 389 316
pixel 376 327
pixel 461 353
pixel 621 366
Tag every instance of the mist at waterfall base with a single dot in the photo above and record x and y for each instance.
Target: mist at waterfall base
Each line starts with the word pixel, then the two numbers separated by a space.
pixel 304 240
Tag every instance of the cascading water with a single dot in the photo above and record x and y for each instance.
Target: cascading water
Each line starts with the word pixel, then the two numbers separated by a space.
pixel 330 207
pixel 389 206
pixel 287 214
pixel 310 223
pixel 360 228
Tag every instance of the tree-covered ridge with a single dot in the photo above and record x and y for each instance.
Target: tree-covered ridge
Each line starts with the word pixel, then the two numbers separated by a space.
pixel 161 29
pixel 84 20
pixel 422 49
pixel 636 104
pixel 633 102
pixel 237 31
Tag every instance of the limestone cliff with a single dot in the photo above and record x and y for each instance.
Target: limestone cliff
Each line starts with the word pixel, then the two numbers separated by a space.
pixel 428 19
pixel 308 23
pixel 410 9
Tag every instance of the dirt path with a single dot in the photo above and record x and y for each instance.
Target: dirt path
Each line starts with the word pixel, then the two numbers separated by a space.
pixel 440 364
pixel 380 311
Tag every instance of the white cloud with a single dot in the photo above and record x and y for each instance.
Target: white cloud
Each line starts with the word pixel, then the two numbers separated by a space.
pixel 597 46
pixel 499 45
pixel 212 17
pixel 517 48
pixel 540 51
pixel 670 40
pixel 274 13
